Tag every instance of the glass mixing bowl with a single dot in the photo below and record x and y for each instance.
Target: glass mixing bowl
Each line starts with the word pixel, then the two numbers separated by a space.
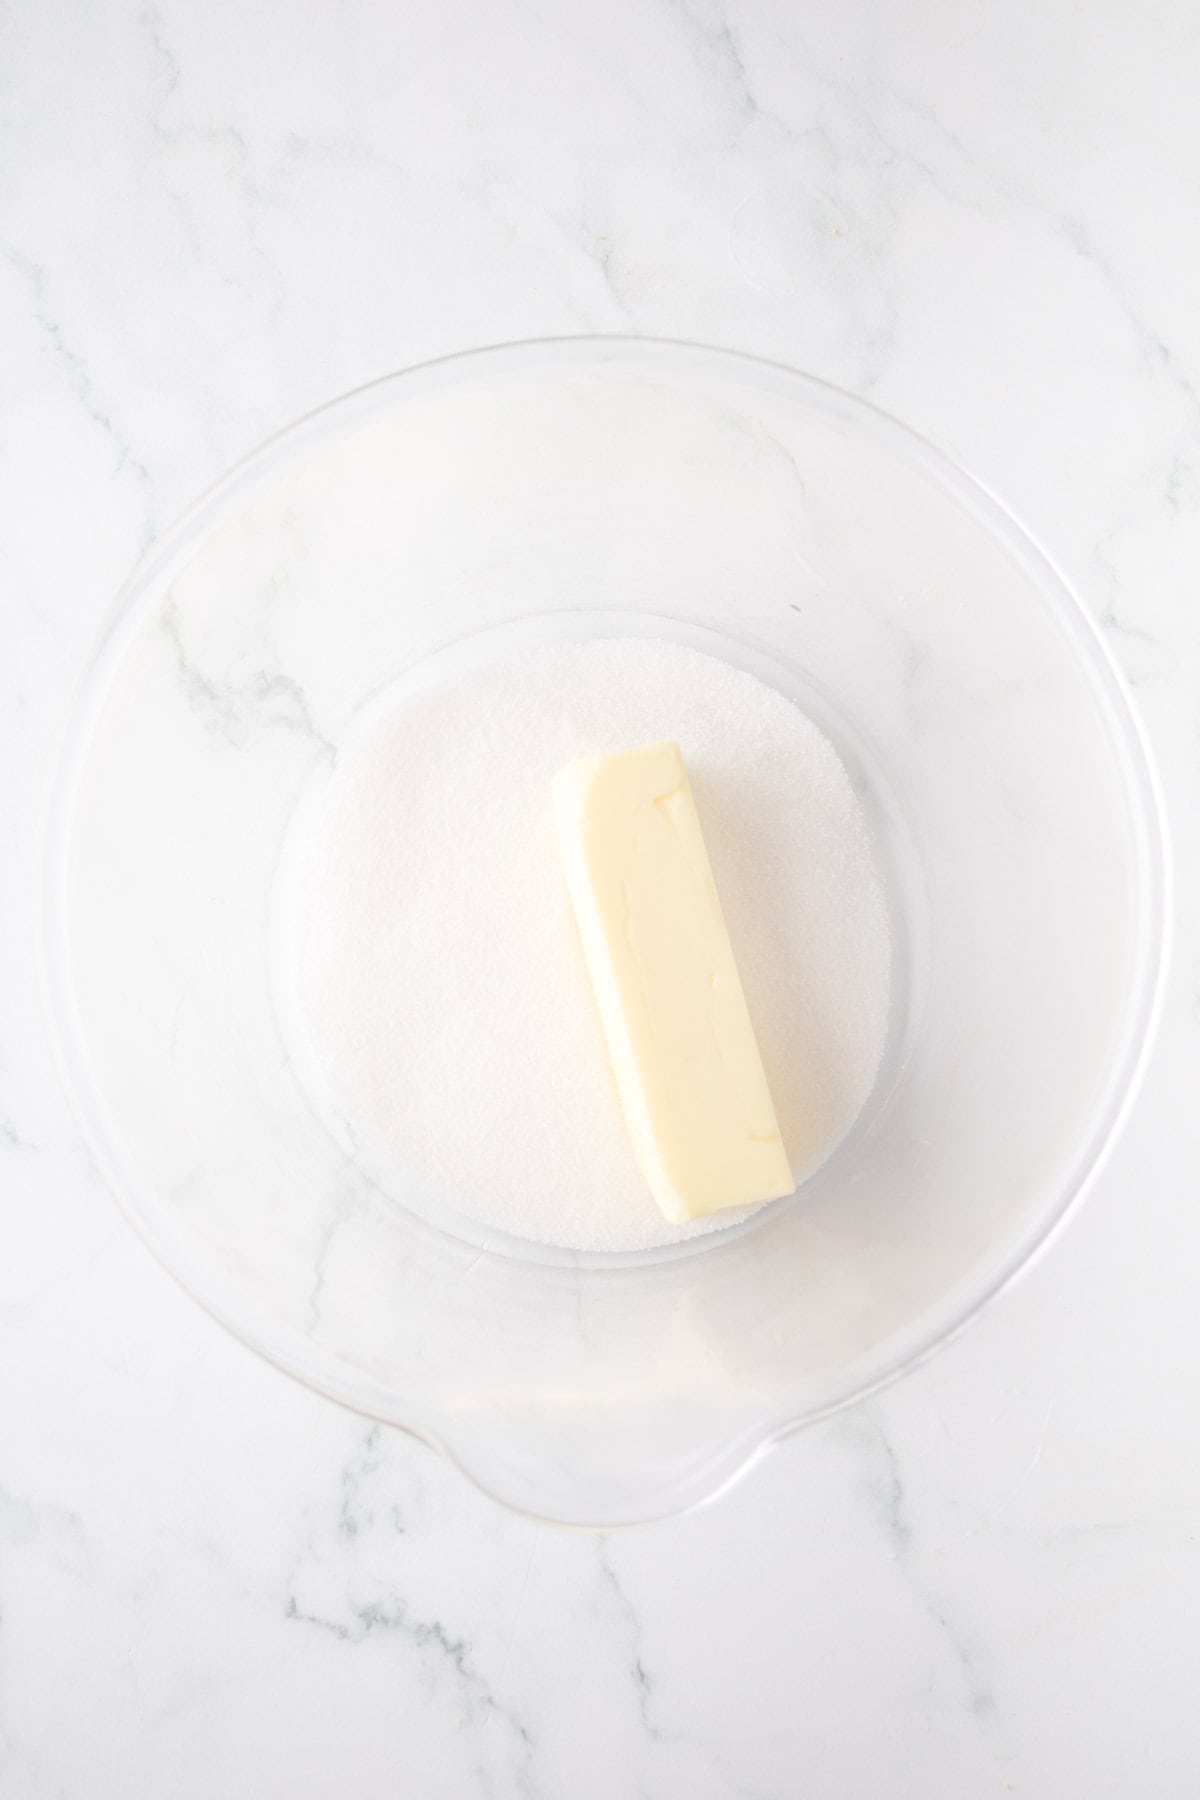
pixel 580 488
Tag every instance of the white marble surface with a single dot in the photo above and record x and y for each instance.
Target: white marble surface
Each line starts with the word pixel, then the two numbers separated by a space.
pixel 987 217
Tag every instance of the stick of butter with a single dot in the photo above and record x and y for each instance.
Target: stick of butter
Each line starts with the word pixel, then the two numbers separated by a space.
pixel 683 1050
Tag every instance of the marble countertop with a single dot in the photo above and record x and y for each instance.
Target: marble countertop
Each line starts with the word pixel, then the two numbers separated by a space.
pixel 986 217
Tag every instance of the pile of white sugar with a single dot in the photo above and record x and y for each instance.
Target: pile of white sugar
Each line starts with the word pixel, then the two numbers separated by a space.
pixel 431 975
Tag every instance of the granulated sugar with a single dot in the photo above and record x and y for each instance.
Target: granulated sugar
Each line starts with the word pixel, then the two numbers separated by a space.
pixel 430 953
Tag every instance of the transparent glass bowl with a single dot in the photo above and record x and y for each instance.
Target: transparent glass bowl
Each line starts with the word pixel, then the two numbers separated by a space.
pixel 579 488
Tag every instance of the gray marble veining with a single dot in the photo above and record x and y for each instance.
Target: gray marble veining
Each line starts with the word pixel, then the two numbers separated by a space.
pixel 213 218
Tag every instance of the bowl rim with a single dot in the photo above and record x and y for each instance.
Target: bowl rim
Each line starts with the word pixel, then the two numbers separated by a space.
pixel 712 1474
